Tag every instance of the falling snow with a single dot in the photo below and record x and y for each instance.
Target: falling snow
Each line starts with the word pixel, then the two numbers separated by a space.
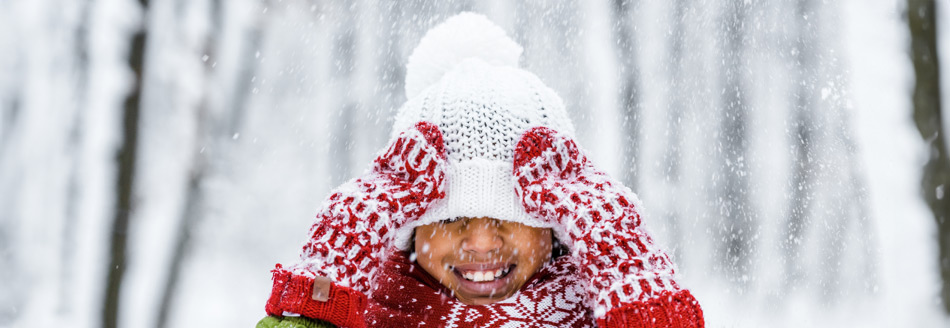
pixel 774 152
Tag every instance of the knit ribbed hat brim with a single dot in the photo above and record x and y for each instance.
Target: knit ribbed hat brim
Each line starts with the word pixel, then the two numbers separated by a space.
pixel 464 78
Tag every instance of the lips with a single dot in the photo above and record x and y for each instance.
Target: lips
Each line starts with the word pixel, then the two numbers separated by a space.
pixel 483 279
pixel 482 274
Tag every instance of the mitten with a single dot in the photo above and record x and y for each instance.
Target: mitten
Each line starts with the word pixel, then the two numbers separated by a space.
pixel 352 230
pixel 292 322
pixel 629 281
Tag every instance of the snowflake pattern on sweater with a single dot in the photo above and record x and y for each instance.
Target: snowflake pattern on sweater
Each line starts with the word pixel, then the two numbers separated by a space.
pixel 405 296
pixel 615 275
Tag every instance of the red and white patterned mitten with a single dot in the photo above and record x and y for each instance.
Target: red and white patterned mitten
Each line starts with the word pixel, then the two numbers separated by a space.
pixel 630 281
pixel 352 230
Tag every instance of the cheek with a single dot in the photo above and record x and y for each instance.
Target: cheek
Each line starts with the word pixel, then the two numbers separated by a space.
pixel 433 247
pixel 534 248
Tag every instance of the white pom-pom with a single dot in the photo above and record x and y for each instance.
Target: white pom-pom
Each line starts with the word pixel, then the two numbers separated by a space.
pixel 463 36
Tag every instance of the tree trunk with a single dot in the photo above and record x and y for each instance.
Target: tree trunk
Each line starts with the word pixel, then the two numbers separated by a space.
pixel 679 100
pixel 345 60
pixel 249 68
pixel 801 140
pixel 922 20
pixel 390 72
pixel 195 196
pixel 190 215
pixel 125 161
pixel 629 90
pixel 74 187
pixel 735 207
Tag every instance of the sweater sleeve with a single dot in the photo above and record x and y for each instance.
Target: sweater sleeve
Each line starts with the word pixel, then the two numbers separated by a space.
pixel 343 252
pixel 292 295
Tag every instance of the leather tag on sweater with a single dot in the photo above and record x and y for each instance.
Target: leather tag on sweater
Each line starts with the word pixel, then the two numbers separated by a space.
pixel 321 289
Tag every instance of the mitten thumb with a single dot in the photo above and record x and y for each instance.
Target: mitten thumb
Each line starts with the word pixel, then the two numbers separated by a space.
pixel 411 172
pixel 544 153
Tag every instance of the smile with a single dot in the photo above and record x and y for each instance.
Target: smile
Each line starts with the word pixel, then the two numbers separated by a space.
pixel 484 275
pixel 484 279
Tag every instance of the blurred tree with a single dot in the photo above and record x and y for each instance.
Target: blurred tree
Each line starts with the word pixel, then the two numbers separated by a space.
pixel 679 98
pixel 125 162
pixel 344 63
pixel 209 129
pixel 623 11
pixel 71 221
pixel 922 21
pixel 389 71
pixel 249 68
pixel 733 177
pixel 801 133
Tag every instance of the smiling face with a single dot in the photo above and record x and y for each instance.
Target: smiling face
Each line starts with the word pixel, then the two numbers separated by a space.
pixel 482 260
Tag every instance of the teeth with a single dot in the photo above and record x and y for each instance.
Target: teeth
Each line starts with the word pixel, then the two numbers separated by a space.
pixel 479 276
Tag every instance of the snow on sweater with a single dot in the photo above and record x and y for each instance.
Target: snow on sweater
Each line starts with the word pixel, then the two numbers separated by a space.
pixel 615 276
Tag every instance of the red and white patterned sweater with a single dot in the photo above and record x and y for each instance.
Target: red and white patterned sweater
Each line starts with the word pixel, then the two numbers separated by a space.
pixel 406 296
pixel 614 277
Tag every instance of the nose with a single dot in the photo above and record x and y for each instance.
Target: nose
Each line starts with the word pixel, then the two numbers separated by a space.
pixel 481 236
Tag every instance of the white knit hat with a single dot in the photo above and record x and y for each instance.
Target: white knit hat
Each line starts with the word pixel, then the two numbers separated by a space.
pixel 464 77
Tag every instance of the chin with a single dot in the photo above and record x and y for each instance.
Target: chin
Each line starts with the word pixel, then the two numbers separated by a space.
pixel 482 301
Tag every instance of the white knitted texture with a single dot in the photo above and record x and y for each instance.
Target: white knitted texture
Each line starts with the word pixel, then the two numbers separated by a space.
pixel 463 36
pixel 482 110
pixel 463 77
pixel 482 188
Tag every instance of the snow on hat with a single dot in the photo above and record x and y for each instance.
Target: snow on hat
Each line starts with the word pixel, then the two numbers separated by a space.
pixel 464 77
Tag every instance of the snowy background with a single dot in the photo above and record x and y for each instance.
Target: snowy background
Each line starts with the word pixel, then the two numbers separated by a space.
pixel 771 142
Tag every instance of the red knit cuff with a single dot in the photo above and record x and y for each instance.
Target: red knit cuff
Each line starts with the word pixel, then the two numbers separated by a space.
pixel 668 309
pixel 293 293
